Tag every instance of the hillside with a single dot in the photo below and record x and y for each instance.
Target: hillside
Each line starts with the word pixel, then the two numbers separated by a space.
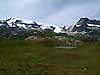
pixel 31 58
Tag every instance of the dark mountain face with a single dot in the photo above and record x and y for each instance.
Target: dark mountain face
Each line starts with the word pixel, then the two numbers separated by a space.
pixel 86 20
pixel 86 25
pixel 82 21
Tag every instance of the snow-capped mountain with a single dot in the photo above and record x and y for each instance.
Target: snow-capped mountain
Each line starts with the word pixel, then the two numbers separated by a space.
pixel 17 22
pixel 86 25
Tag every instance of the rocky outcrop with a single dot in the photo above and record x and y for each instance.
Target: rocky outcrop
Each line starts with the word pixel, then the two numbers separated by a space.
pixel 86 25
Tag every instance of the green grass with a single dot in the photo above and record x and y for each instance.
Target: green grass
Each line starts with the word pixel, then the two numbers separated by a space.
pixel 23 58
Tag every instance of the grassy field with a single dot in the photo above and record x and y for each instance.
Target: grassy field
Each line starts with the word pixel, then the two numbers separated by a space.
pixel 23 58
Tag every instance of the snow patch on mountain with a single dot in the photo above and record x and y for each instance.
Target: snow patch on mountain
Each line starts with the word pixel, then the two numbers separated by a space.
pixel 93 25
pixel 29 24
pixel 49 26
pixel 78 25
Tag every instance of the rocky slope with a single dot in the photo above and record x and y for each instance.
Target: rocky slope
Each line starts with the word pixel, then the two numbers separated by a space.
pixel 86 25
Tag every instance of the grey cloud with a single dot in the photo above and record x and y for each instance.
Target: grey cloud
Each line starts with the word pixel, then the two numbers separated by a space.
pixel 60 12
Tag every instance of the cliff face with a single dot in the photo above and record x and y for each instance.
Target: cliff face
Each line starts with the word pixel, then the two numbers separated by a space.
pixel 86 25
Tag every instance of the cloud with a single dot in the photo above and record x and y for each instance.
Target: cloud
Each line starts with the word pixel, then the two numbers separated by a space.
pixel 70 14
pixel 59 12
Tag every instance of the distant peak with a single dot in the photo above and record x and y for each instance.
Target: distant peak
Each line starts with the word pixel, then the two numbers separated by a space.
pixel 82 21
pixel 16 18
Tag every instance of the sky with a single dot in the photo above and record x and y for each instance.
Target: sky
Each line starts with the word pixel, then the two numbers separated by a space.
pixel 57 12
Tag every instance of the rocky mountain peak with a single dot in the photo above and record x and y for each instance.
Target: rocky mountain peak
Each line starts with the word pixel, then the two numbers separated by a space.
pixel 86 25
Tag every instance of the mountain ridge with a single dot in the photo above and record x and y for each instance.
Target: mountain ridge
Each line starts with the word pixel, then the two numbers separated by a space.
pixel 29 24
pixel 83 25
pixel 86 25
